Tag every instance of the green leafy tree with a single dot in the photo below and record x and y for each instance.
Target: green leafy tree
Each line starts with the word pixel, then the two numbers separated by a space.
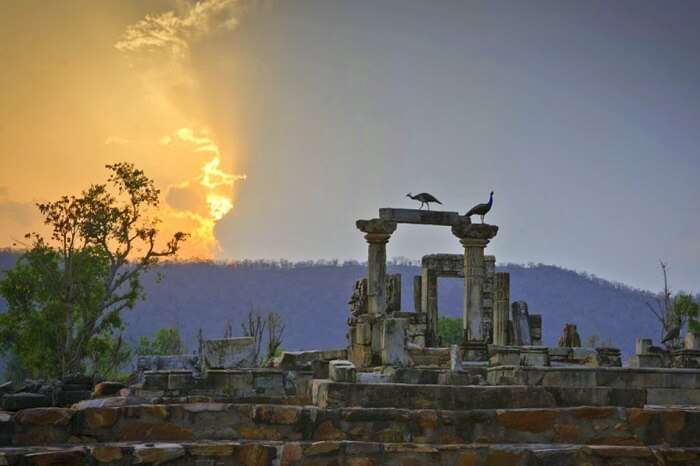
pixel 450 330
pixel 685 306
pixel 67 293
pixel 166 341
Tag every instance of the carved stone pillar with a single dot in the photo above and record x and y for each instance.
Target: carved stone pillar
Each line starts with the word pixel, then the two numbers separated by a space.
pixel 377 233
pixel 501 307
pixel 474 238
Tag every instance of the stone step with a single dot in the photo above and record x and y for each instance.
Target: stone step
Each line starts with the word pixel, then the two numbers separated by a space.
pixel 328 453
pixel 218 421
pixel 327 394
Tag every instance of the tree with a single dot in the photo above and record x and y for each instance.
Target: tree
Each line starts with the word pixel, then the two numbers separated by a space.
pixel 275 329
pixel 674 311
pixel 166 341
pixel 67 293
pixel 255 327
pixel 450 330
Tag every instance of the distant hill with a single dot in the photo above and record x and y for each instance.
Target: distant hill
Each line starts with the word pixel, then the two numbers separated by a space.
pixel 312 299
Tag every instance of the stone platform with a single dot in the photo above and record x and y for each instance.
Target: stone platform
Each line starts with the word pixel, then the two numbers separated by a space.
pixel 327 394
pixel 333 453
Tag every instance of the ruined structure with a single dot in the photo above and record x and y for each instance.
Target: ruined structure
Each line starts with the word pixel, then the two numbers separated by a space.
pixel 395 395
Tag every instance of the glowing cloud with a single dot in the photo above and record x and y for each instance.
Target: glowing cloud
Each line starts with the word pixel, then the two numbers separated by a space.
pixel 159 47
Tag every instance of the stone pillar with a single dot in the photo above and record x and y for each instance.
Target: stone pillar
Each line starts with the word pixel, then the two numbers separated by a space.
pixel 500 309
pixel 377 233
pixel 474 238
pixel 429 305
pixel 417 293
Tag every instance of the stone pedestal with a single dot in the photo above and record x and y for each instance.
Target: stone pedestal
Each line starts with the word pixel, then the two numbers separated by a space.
pixel 341 371
pixel 501 306
pixel 377 233
pixel 474 238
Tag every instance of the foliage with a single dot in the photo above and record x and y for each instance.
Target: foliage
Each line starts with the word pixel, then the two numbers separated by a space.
pixel 165 342
pixel 66 294
pixel 450 330
pixel 255 327
pixel 685 306
pixel 275 330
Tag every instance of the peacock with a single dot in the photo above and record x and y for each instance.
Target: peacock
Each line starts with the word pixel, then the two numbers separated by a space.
pixel 481 209
pixel 424 199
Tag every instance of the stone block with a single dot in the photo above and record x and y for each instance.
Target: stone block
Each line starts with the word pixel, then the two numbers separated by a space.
pixel 67 398
pixel 686 358
pixel 455 358
pixel 393 342
pixel 536 356
pixel 17 401
pixel 373 378
pixel 605 357
pixel 692 341
pixel 504 356
pixel 646 360
pixel 418 216
pixel 107 388
pixel 181 381
pixel 642 345
pixel 229 353
pixel 301 360
pixel 166 363
pixel 340 370
pixel 521 324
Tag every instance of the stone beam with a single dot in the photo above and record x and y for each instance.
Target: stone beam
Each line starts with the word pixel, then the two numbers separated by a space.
pixel 377 233
pixel 421 217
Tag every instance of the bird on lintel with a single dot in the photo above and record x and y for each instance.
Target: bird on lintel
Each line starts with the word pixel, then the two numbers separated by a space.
pixel 481 209
pixel 424 199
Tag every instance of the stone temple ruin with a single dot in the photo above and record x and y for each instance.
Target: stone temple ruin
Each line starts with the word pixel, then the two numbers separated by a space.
pixel 394 396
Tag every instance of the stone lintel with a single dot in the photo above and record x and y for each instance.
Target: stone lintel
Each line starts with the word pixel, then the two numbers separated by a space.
pixel 422 217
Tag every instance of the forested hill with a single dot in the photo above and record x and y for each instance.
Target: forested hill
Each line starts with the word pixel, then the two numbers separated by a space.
pixel 312 300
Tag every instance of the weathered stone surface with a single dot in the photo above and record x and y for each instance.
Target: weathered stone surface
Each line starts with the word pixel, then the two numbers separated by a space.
pixel 530 420
pixel 521 323
pixel 605 357
pixel 44 416
pixel 504 355
pixel 692 340
pixel 537 356
pixel 570 337
pixel 340 370
pixel 98 418
pixel 393 342
pixel 106 453
pixel 188 362
pixel 71 456
pixel 301 360
pixel 419 216
pixel 158 453
pixel 133 430
pixel 229 353
pixel 17 401
pixel 104 389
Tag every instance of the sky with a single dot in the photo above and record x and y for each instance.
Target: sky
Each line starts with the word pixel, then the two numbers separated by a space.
pixel 271 126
